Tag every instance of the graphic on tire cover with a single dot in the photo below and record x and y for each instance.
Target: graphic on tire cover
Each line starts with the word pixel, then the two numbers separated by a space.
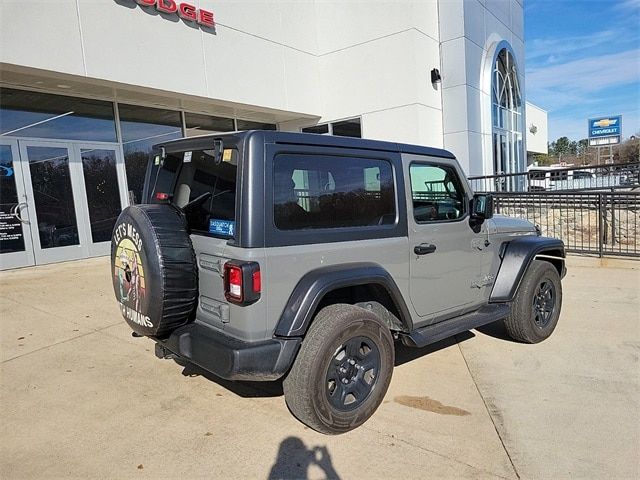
pixel 128 270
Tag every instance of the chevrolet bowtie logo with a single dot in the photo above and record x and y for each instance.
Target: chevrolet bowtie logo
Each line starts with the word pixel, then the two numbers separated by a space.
pixel 605 122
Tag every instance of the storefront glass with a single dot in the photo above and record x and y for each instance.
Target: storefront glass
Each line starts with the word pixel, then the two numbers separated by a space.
pixel 197 124
pixel 43 115
pixel 101 187
pixel 345 128
pixel 251 125
pixel 142 128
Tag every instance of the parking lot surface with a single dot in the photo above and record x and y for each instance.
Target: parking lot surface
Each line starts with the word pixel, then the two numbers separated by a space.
pixel 80 397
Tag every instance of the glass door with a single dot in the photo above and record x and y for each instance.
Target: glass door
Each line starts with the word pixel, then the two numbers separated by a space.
pixel 76 193
pixel 102 180
pixel 15 235
pixel 56 205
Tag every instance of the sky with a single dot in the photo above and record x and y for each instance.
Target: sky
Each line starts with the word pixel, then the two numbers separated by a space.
pixel 582 61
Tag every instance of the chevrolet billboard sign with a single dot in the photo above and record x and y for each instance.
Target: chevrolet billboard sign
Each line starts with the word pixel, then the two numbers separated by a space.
pixel 605 126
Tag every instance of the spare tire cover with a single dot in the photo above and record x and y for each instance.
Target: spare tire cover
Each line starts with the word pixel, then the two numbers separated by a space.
pixel 155 277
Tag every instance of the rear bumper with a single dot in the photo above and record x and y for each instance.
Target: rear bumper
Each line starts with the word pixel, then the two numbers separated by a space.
pixel 228 357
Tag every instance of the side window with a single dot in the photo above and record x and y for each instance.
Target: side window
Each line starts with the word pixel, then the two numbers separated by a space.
pixel 437 193
pixel 312 191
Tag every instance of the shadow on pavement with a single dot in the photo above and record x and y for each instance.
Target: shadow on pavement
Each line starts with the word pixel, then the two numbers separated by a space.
pixel 245 389
pixel 406 354
pixel 496 330
pixel 242 389
pixel 294 460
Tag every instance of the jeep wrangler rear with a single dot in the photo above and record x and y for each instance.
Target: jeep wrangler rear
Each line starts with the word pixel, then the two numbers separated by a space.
pixel 268 255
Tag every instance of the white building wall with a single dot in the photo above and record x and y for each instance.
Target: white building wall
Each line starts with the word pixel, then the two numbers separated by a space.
pixel 323 59
pixel 470 31
pixel 536 129
pixel 120 41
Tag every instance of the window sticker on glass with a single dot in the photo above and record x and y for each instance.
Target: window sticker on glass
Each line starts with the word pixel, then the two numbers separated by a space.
pixel 227 155
pixel 156 160
pixel 222 227
pixel 187 156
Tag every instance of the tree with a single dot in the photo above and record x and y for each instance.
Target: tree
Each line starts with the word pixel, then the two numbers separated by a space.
pixel 628 151
pixel 560 147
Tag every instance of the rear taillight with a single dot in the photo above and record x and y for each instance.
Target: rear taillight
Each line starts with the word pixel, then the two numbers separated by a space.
pixel 162 196
pixel 242 282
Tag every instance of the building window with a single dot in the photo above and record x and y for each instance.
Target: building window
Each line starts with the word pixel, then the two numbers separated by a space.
pixel 344 128
pixel 43 115
pixel 142 128
pixel 317 129
pixel 347 128
pixel 508 155
pixel 197 124
pixel 250 125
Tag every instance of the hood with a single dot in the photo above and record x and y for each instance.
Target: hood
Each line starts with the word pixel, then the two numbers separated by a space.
pixel 506 224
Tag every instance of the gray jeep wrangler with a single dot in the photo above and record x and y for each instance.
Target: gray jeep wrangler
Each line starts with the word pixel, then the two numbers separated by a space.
pixel 266 255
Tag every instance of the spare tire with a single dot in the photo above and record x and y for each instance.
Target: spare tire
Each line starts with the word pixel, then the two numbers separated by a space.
pixel 155 277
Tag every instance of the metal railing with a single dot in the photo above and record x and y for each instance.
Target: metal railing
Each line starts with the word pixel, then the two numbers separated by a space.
pixel 545 179
pixel 602 223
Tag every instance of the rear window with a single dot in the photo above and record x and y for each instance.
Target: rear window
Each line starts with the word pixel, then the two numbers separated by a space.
pixel 312 191
pixel 204 190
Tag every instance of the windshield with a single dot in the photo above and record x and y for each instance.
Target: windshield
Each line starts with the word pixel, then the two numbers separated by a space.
pixel 204 190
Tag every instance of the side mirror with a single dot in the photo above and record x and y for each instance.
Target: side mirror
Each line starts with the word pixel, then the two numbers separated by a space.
pixel 482 206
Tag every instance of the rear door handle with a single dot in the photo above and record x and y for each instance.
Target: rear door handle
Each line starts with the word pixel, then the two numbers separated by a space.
pixel 424 248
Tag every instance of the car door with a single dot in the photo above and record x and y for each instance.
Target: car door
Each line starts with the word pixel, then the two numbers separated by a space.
pixel 450 262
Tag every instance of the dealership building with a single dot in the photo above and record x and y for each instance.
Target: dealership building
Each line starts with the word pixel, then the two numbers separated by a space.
pixel 88 86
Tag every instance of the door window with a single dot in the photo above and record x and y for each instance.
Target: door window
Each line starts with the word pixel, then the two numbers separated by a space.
pixel 437 193
pixel 53 196
pixel 11 238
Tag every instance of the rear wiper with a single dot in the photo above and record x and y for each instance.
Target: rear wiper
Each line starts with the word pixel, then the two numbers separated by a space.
pixel 197 201
pixel 201 198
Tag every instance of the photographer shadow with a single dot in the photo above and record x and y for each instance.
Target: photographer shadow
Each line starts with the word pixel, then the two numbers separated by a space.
pixel 294 460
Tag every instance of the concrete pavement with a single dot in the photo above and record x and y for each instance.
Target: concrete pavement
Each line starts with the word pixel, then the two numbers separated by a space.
pixel 81 398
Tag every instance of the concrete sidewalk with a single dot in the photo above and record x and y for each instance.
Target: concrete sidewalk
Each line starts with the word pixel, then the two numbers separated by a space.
pixel 81 398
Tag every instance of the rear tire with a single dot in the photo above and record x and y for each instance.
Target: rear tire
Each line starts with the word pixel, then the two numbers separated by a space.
pixel 536 308
pixel 343 370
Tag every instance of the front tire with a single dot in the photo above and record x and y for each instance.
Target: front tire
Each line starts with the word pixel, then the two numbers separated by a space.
pixel 536 308
pixel 343 370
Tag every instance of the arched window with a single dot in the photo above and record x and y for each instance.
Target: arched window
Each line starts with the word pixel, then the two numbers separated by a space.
pixel 508 155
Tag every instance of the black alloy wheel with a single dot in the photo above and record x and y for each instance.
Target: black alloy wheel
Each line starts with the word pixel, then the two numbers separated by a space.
pixel 544 301
pixel 353 373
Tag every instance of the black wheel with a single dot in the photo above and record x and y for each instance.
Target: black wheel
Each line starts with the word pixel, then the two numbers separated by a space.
pixel 343 369
pixel 536 308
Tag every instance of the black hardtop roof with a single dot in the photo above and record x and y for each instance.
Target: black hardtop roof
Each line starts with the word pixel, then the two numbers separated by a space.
pixel 271 136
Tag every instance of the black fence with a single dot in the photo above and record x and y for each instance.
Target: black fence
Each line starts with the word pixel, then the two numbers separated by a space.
pixel 602 223
pixel 623 176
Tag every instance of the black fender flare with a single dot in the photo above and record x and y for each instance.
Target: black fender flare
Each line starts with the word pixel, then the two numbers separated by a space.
pixel 313 286
pixel 517 255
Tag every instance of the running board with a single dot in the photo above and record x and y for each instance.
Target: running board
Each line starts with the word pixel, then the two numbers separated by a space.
pixel 424 336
